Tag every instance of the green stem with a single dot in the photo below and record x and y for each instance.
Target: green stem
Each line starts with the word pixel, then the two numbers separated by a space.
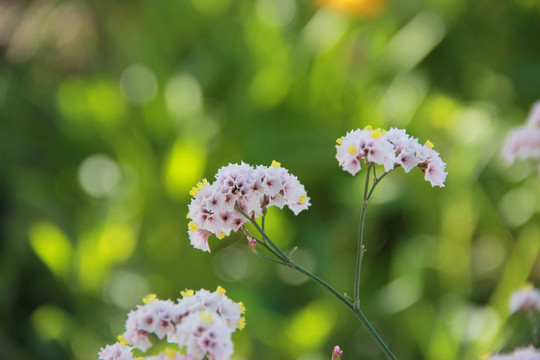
pixel 367 325
pixel 377 181
pixel 281 254
pixel 360 249
pixel 263 243
pixel 357 312
pixel 267 258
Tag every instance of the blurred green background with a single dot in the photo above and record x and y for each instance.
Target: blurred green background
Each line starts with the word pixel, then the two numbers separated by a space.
pixel 110 111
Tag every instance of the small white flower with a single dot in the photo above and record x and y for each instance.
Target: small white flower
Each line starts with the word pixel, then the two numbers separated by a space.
pixel 523 142
pixel 390 149
pixel 528 353
pixel 525 300
pixel 116 352
pixel 201 321
pixel 212 208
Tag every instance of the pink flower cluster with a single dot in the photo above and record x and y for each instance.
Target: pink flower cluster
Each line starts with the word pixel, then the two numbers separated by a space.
pixel 390 149
pixel 200 323
pixel 525 300
pixel 524 141
pixel 528 353
pixel 337 353
pixel 253 189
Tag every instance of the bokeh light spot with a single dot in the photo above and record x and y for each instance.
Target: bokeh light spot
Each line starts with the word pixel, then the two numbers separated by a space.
pixel 139 84
pixel 400 293
pixel 72 101
pixel 106 102
pixel 517 206
pixel 52 246
pixel 183 95
pixel 269 87
pixel 231 264
pixel 126 289
pixel 51 322
pixel 184 168
pixel 276 12
pixel 117 242
pixel 473 126
pixel 487 255
pixel 99 175
pixel 310 326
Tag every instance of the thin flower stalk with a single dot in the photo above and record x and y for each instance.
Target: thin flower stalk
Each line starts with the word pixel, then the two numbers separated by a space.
pixel 287 261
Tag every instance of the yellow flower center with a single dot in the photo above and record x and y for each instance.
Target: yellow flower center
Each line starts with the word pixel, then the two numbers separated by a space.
pixel 368 127
pixel 193 226
pixel 242 307
pixel 430 144
pixel 149 298
pixel 221 235
pixel 206 317
pixel 353 149
pixel 377 133
pixel 187 293
pixel 221 290
pixel 302 199
pixel 275 163
pixel 241 323
pixel 122 340
pixel 171 354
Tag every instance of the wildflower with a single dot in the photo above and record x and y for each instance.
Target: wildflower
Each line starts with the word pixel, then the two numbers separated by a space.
pixel 390 149
pixel 169 354
pixel 116 351
pixel 524 141
pixel 201 321
pixel 358 8
pixel 213 208
pixel 525 300
pixel 336 354
pixel 528 353
pixel 252 242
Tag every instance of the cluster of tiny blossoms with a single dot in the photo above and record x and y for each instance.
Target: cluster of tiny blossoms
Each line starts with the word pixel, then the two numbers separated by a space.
pixel 214 206
pixel 528 353
pixel 200 324
pixel 390 149
pixel 337 353
pixel 524 141
pixel 525 300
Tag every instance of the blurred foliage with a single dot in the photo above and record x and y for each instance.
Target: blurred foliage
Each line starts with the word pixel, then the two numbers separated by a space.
pixel 111 110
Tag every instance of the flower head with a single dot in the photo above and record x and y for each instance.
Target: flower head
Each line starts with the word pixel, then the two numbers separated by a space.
pixel 201 322
pixel 336 353
pixel 528 353
pixel 390 149
pixel 116 351
pixel 523 142
pixel 215 207
pixel 525 300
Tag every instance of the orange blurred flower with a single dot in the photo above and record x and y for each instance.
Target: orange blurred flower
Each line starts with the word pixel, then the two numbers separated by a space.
pixel 356 7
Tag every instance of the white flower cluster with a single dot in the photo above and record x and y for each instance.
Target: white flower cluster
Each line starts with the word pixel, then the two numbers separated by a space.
pixel 528 353
pixel 201 324
pixel 253 189
pixel 524 141
pixel 389 148
pixel 525 300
